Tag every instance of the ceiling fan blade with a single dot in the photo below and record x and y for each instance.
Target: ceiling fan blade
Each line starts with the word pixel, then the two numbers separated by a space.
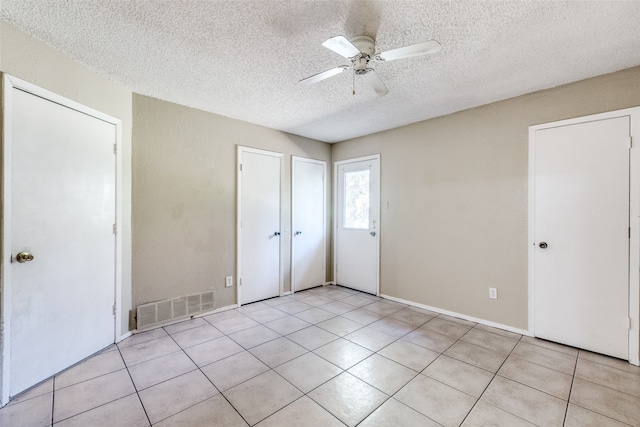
pixel 424 48
pixel 376 83
pixel 341 46
pixel 323 75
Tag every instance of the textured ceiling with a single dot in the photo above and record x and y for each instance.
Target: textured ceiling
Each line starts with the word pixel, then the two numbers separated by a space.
pixel 243 59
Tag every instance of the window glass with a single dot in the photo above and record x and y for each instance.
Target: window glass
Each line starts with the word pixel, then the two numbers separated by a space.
pixel 356 199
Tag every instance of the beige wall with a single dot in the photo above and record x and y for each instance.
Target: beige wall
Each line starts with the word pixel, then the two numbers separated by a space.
pixel 24 57
pixel 457 191
pixel 184 197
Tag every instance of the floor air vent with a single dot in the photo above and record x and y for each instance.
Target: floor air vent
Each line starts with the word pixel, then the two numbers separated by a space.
pixel 159 312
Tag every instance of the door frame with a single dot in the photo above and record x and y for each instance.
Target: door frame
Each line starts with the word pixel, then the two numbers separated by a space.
pixel 8 84
pixel 238 281
pixel 336 166
pixel 634 220
pixel 323 163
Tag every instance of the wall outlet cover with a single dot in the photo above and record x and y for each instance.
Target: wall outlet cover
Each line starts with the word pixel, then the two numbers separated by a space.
pixel 228 281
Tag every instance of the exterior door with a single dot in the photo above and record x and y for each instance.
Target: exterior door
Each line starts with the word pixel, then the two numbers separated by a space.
pixel 309 250
pixel 357 249
pixel 62 237
pixel 259 224
pixel 581 235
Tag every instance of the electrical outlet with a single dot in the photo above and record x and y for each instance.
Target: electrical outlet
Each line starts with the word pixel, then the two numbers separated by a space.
pixel 493 293
pixel 228 281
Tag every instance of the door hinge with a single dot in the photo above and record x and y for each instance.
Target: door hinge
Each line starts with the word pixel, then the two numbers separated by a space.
pixel 240 282
pixel 629 232
pixel 240 167
pixel 629 323
pixel 114 309
pixel 115 149
pixel 630 142
pixel 115 229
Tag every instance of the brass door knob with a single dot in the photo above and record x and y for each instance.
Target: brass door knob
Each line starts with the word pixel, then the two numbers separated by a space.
pixel 24 257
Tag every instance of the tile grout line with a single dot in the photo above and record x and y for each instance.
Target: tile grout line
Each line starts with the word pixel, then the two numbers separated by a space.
pixel 273 369
pixel 495 374
pixel 335 315
pixel 53 398
pixel 573 377
pixel 396 339
pixel 199 368
pixel 134 385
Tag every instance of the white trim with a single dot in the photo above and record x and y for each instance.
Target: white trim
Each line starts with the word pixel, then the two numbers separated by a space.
pixel 124 337
pixel 243 149
pixel 336 165
pixel 634 220
pixel 458 315
pixel 294 160
pixel 10 83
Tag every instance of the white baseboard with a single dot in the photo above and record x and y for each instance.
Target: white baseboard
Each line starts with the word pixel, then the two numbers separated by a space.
pixel 284 294
pixel 331 282
pixel 123 337
pixel 459 315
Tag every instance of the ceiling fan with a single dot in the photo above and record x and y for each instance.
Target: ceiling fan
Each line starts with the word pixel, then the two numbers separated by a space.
pixel 361 52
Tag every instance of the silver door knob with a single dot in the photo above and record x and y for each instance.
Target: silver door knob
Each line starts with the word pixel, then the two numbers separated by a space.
pixel 277 233
pixel 24 257
pixel 543 245
pixel 298 233
pixel 373 233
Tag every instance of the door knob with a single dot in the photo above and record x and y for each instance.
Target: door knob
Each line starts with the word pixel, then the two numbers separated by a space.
pixel 543 245
pixel 277 233
pixel 297 233
pixel 24 257
pixel 373 233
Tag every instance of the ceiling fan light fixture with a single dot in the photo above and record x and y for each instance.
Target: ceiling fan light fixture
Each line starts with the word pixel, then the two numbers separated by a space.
pixel 361 64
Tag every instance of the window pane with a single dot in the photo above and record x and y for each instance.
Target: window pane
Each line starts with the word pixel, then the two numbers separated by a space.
pixel 356 199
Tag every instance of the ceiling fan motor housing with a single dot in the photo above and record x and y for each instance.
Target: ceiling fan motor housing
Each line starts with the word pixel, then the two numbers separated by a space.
pixel 365 44
pixel 367 47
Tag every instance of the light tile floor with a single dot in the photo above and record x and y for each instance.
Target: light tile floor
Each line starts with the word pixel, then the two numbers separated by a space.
pixel 331 356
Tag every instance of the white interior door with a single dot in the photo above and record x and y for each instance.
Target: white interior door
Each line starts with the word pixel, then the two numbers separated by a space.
pixel 63 215
pixel 309 250
pixel 357 248
pixel 581 235
pixel 259 224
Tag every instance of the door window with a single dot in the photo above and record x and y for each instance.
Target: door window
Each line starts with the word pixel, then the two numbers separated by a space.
pixel 356 199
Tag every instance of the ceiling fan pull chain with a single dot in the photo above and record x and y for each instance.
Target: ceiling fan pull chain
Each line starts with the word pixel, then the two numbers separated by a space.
pixel 354 83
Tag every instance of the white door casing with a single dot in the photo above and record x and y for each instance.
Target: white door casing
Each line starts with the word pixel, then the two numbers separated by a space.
pixel 583 206
pixel 308 205
pixel 357 223
pixel 60 192
pixel 259 224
